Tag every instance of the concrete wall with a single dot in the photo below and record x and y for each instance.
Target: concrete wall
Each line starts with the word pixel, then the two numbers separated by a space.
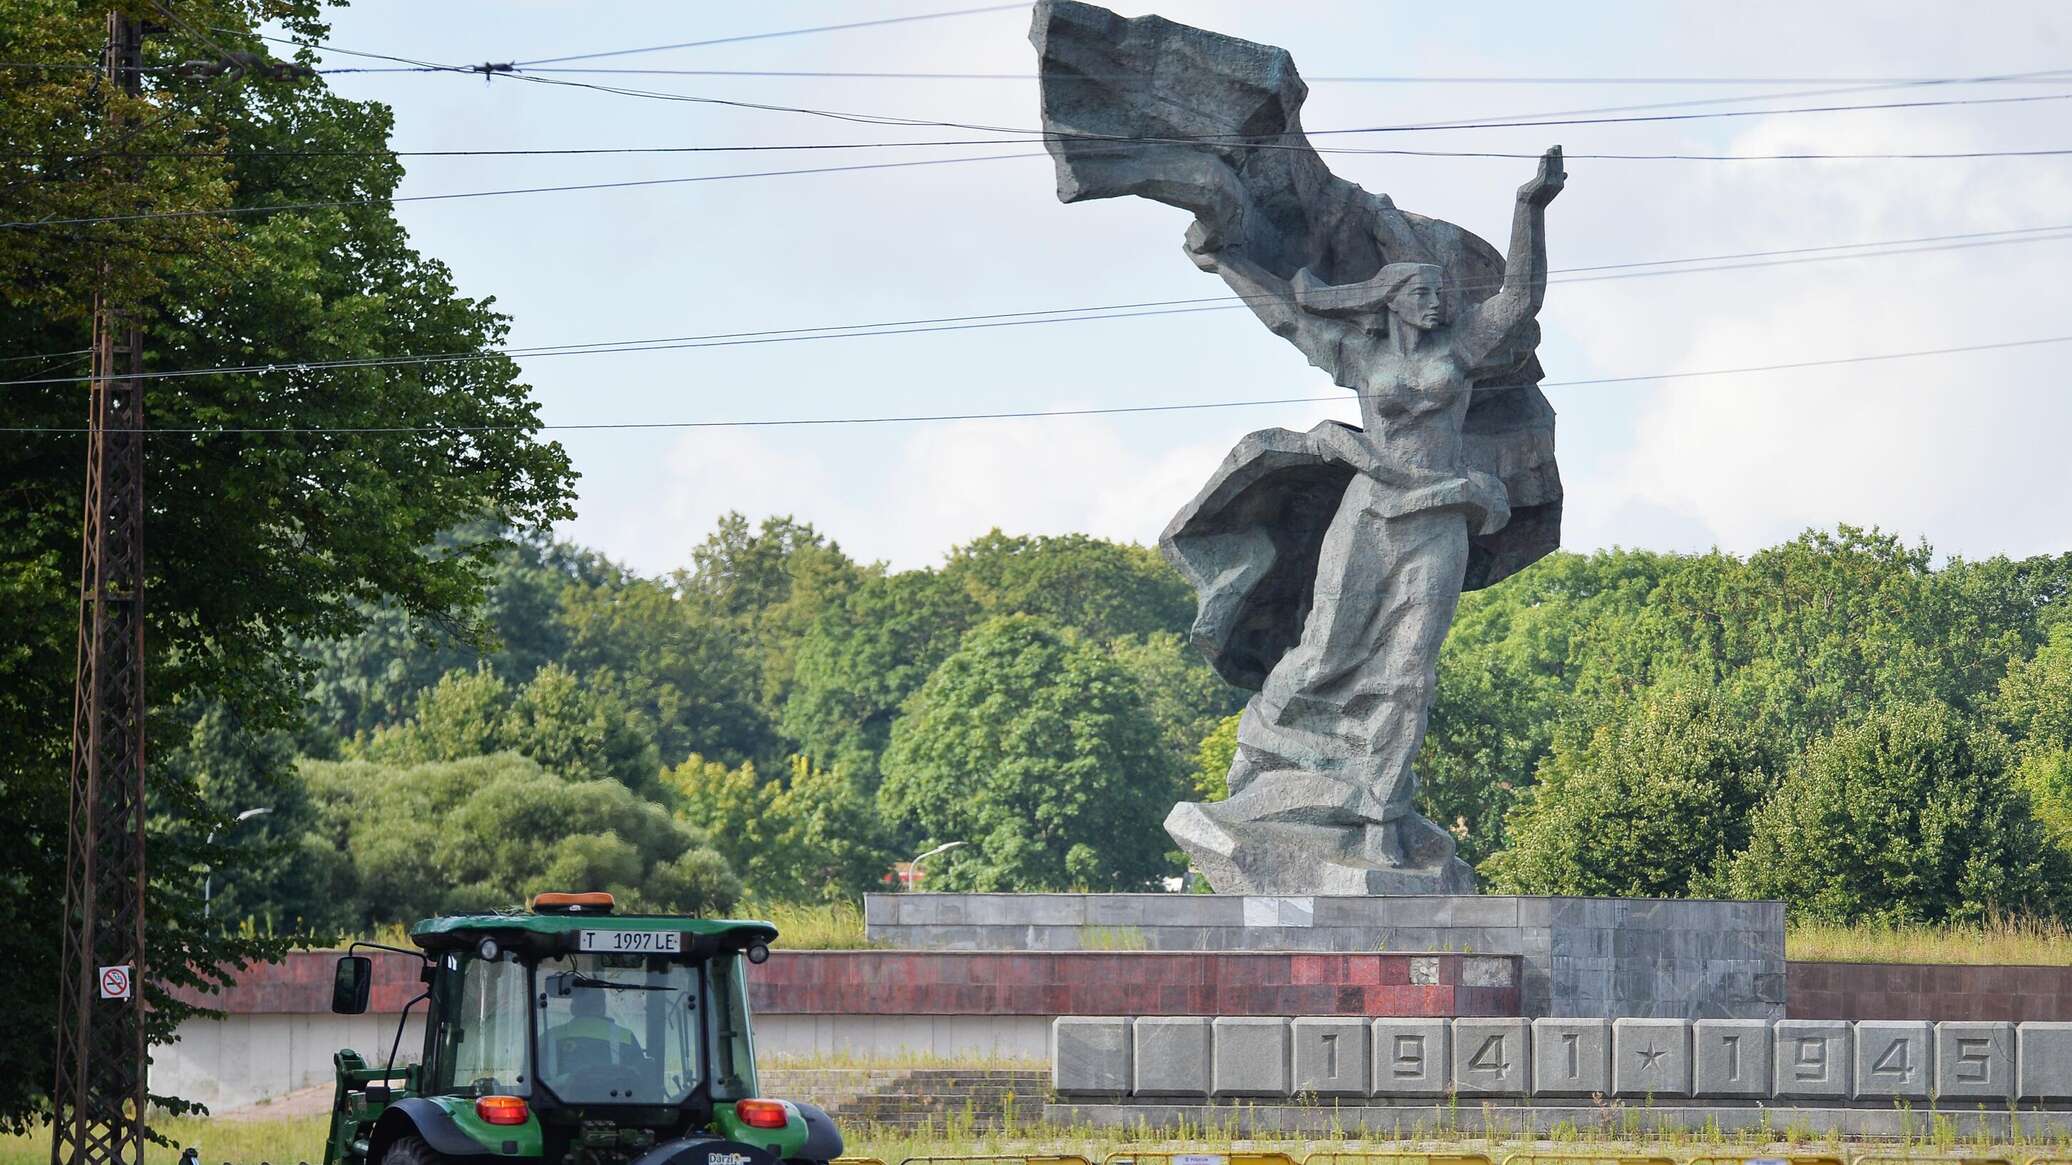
pixel 1600 957
pixel 242 1059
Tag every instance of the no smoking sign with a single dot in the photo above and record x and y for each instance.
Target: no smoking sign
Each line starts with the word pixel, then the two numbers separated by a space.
pixel 115 982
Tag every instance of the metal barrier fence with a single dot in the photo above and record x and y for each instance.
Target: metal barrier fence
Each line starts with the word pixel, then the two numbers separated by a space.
pixel 1233 1157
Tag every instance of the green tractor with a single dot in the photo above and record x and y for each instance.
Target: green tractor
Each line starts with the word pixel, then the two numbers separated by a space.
pixel 567 1034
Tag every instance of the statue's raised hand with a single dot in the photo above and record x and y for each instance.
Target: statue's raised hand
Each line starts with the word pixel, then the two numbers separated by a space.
pixel 1547 183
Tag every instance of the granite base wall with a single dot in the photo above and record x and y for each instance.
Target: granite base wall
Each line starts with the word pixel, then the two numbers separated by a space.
pixel 1822 1063
pixel 1582 957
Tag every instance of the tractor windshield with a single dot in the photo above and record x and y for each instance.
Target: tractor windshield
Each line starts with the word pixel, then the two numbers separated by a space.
pixel 618 1029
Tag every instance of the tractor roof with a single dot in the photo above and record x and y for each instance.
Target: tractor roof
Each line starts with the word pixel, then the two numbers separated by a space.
pixel 459 929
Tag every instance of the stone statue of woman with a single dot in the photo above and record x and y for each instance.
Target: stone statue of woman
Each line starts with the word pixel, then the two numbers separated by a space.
pixel 1331 736
pixel 1327 563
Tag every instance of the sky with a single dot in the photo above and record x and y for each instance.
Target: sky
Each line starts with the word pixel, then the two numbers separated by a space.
pixel 1965 450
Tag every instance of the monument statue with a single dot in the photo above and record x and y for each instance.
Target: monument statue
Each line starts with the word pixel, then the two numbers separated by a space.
pixel 1328 563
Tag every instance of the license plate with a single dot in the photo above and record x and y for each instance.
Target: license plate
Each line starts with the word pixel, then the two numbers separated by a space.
pixel 631 942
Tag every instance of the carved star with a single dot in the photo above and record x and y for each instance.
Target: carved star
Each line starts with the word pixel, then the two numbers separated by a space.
pixel 1649 1055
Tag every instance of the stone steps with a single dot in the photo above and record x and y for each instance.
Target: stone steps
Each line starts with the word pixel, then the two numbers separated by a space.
pixel 906 1098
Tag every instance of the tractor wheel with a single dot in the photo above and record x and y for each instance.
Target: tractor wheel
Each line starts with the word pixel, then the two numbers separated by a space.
pixel 412 1151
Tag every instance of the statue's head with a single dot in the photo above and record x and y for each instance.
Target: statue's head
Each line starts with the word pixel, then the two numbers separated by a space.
pixel 1408 293
pixel 1412 294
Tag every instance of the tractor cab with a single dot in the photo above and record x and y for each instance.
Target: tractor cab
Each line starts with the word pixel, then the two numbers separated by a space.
pixel 571 1033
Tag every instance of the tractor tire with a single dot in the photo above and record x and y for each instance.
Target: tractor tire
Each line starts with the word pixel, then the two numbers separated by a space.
pixel 413 1151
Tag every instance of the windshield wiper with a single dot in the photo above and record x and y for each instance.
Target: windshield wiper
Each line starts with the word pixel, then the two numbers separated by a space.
pixel 566 980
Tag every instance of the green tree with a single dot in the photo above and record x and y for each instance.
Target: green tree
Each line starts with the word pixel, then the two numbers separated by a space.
pixel 488 832
pixel 688 671
pixel 769 583
pixel 1213 758
pixel 277 882
pixel 282 501
pixel 2034 706
pixel 576 727
pixel 1651 805
pixel 730 805
pixel 1508 678
pixel 1182 692
pixel 1904 815
pixel 815 835
pixel 1103 590
pixel 864 656
pixel 371 679
pixel 1034 747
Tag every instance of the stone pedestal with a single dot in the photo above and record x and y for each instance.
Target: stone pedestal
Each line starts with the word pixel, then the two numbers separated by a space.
pixel 1578 957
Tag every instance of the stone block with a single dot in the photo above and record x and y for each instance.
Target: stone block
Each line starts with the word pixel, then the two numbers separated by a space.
pixel 1280 910
pixel 1894 1059
pixel 1332 1056
pixel 1491 1057
pixel 1810 1059
pixel 1731 1058
pixel 1187 910
pixel 880 909
pixel 1424 970
pixel 1569 1057
pixel 1169 1056
pixel 1411 1057
pixel 1488 972
pixel 1250 1056
pixel 1651 1057
pixel 1090 1054
pixel 2043 1060
pixel 1974 1060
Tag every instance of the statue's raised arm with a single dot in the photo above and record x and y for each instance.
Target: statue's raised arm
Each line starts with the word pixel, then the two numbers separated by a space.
pixel 1490 325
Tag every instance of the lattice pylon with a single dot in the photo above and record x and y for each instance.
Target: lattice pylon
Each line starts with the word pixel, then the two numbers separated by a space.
pixel 98 1102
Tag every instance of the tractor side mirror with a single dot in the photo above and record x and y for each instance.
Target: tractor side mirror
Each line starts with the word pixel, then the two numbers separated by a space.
pixel 351 985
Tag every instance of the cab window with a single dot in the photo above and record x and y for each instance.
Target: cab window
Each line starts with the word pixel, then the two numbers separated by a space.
pixel 618 1029
pixel 481 1033
pixel 733 1049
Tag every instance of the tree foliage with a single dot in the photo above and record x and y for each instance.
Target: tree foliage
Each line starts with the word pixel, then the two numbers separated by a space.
pixel 574 729
pixel 1036 749
pixel 487 832
pixel 1103 590
pixel 1905 814
pixel 258 540
pixel 1652 804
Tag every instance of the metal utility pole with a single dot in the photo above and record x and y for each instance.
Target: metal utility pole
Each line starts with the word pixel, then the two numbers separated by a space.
pixel 99 1098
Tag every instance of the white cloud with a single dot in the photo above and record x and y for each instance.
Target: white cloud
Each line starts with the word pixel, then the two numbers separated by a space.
pixel 1960 449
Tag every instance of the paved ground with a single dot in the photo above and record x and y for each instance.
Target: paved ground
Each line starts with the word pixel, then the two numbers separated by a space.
pixel 303 1102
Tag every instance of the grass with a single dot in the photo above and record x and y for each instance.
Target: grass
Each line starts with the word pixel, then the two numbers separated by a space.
pixel 812 926
pixel 2001 940
pixel 1617 1131
pixel 2004 940
pixel 245 1142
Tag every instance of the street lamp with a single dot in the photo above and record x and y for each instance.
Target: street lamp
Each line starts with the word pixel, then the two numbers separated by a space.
pixel 914 867
pixel 209 879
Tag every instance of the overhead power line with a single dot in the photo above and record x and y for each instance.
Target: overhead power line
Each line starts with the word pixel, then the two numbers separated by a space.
pixel 1030 414
pixel 781 147
pixel 510 71
pixel 336 204
pixel 2041 78
pixel 1564 275
pixel 1123 142
pixel 692 44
